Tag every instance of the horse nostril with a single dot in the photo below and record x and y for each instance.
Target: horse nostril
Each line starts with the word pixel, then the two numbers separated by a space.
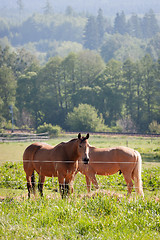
pixel 86 160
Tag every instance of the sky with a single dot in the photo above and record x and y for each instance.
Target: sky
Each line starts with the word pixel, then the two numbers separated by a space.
pixel 110 7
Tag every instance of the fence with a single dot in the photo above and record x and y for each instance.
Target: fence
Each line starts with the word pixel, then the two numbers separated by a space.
pixel 21 137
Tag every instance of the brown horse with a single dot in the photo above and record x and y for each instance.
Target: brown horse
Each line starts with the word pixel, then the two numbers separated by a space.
pixel 108 161
pixel 60 161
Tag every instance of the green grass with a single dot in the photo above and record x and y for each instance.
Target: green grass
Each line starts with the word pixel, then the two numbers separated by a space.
pixel 98 217
pixel 103 214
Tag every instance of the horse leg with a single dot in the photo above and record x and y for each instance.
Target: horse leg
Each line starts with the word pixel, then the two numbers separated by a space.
pixel 29 185
pixel 88 182
pixel 33 182
pixel 61 181
pixel 67 188
pixel 40 184
pixel 129 182
pixel 94 181
pixel 71 184
pixel 89 179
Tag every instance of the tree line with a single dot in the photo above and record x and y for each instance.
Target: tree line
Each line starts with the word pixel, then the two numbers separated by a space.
pixel 122 94
pixel 52 34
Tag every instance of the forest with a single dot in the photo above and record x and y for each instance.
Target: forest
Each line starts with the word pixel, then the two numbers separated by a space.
pixel 109 94
pixel 80 71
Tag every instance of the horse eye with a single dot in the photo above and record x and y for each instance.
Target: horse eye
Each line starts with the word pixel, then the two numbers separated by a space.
pixel 80 146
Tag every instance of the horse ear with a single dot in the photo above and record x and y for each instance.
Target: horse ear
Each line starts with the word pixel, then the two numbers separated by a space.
pixel 87 136
pixel 79 135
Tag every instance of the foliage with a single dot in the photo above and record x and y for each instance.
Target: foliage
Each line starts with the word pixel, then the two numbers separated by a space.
pixel 122 47
pixel 154 127
pixel 117 90
pixel 49 34
pixel 53 131
pixel 85 118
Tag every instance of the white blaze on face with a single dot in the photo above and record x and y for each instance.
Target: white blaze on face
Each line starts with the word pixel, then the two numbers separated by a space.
pixel 87 151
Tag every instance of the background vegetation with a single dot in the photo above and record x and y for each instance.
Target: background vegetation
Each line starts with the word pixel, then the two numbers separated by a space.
pixel 52 63
pixel 124 95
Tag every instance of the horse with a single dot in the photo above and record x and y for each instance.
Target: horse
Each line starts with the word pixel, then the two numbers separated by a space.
pixel 55 161
pixel 108 161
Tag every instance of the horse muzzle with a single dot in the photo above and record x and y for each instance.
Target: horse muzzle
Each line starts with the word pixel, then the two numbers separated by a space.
pixel 85 160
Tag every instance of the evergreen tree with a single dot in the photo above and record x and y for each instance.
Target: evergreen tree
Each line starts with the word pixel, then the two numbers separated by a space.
pixel 134 26
pixel 20 6
pixel 91 34
pixel 149 25
pixel 69 11
pixel 100 26
pixel 120 23
pixel 48 8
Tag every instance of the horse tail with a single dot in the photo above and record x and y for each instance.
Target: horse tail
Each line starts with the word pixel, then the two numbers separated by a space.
pixel 137 174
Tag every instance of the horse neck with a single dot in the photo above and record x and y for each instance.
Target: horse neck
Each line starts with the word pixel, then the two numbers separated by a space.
pixel 72 147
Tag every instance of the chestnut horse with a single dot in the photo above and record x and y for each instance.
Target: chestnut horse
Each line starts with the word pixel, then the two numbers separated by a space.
pixel 108 161
pixel 60 161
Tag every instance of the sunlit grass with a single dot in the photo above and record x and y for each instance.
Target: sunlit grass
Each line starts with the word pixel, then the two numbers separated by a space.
pixel 103 214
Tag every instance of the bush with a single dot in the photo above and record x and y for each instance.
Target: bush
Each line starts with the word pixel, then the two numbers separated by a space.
pixel 154 127
pixel 85 118
pixel 126 125
pixel 53 131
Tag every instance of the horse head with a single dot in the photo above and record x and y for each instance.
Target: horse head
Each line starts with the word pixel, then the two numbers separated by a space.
pixel 83 147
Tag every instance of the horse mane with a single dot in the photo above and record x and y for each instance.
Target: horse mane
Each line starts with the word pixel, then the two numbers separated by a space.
pixel 64 143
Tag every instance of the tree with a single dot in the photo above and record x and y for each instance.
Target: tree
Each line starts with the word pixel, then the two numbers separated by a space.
pixel 120 23
pixel 48 8
pixel 110 46
pixel 69 11
pixel 129 87
pixel 7 91
pixel 134 26
pixel 26 99
pixel 122 47
pixel 84 118
pixel 71 84
pixel 153 47
pixel 20 7
pixel 91 34
pixel 50 91
pixel 149 87
pixel 110 96
pixel 90 65
pixel 100 26
pixel 149 25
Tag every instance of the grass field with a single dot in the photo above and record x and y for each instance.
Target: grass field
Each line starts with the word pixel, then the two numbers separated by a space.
pixel 104 214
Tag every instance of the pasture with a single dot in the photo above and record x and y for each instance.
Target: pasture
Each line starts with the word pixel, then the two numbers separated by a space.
pixel 103 214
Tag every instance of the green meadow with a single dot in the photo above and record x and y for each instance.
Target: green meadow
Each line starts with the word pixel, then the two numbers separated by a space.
pixel 103 214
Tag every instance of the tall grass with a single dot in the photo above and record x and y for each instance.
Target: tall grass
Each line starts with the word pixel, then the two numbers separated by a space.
pixel 104 214
pixel 98 217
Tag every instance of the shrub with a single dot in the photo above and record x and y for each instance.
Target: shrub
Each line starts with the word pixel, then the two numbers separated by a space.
pixel 85 118
pixel 126 125
pixel 53 131
pixel 154 127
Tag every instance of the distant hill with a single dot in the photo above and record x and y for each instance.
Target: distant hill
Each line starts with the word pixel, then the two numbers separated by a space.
pixel 110 8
